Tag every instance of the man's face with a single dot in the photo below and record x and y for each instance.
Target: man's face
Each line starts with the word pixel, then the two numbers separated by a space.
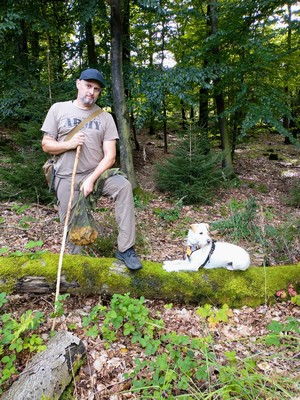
pixel 88 92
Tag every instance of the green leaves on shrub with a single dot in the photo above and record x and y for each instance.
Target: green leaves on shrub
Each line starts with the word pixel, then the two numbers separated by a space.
pixel 192 172
pixel 23 177
pixel 293 198
pixel 15 337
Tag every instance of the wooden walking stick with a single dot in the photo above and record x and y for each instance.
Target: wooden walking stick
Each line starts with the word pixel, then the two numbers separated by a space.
pixel 65 233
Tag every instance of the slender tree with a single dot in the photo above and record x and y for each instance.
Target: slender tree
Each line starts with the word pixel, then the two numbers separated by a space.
pixel 90 42
pixel 118 90
pixel 219 96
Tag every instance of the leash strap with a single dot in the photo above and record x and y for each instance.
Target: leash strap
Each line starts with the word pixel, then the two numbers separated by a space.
pixel 213 246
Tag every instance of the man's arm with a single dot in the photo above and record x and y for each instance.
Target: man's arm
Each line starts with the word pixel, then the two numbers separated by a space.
pixel 109 151
pixel 52 146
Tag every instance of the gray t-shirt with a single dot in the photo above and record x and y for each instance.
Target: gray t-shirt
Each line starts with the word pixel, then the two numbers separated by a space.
pixel 61 119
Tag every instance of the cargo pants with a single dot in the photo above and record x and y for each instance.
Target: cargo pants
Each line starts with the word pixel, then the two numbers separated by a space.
pixel 116 187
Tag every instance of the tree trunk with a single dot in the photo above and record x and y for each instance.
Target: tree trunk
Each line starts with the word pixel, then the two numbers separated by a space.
pixel 183 116
pixel 23 45
pixel 136 142
pixel 49 372
pixel 192 114
pixel 203 109
pixel 219 98
pixel 122 117
pixel 225 138
pixel 90 42
pixel 105 277
pixel 286 120
pixel 165 125
pixel 126 62
pixel 35 53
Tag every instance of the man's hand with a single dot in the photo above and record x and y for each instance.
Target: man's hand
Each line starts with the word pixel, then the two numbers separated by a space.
pixel 77 140
pixel 87 186
pixel 52 146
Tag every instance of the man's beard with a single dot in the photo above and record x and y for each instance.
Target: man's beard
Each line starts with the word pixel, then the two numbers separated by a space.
pixel 86 101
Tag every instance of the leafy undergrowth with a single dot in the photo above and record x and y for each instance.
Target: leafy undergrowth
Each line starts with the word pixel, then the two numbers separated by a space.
pixel 137 349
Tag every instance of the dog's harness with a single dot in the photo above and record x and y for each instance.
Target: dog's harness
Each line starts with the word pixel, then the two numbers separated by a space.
pixel 190 250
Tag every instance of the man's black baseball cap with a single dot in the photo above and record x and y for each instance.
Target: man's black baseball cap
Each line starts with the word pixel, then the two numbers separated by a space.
pixel 92 74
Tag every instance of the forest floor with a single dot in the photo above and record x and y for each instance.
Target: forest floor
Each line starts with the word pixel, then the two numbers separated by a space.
pixel 267 170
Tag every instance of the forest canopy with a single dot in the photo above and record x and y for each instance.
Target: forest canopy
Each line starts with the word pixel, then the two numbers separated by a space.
pixel 221 68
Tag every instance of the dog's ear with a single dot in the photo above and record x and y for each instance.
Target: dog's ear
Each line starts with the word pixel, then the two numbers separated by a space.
pixel 193 227
pixel 207 227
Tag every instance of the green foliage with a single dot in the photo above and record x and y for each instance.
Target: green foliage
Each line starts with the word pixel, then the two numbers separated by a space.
pixel 214 316
pixel 283 241
pixel 192 173
pixel 241 221
pixel 141 197
pixel 32 249
pixel 170 215
pixel 17 336
pixel 21 173
pixel 59 305
pixel 177 366
pixel 293 198
pixel 129 316
pixel 296 299
pixel 23 177
pixel 280 242
pixel 2 299
pixel 283 333
pixel 91 321
pixel 19 209
pixel 180 364
pixel 247 60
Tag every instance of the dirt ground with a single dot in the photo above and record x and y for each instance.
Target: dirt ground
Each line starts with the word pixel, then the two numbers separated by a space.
pixel 267 170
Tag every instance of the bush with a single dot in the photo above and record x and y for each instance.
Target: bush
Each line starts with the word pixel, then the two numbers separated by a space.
pixel 193 172
pixel 22 158
pixel 241 223
pixel 283 242
pixel 21 176
pixel 293 198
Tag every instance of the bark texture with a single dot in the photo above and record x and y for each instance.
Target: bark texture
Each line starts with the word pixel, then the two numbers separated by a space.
pixel 106 276
pixel 119 101
pixel 49 372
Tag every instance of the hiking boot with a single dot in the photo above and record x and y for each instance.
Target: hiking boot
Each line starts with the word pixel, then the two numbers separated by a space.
pixel 130 259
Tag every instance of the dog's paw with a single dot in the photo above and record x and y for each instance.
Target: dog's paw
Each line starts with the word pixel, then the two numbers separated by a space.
pixel 170 266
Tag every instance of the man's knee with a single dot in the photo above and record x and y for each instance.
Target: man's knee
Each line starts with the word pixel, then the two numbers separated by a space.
pixel 126 190
pixel 117 187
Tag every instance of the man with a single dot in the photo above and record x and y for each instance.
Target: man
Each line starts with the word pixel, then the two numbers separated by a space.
pixel 98 154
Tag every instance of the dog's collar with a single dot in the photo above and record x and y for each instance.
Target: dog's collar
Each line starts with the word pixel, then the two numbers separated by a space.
pixel 190 250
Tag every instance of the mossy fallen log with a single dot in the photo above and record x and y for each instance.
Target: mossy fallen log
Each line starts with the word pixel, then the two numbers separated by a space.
pixel 48 373
pixel 106 276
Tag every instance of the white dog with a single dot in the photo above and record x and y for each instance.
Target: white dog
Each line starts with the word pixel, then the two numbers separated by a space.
pixel 202 251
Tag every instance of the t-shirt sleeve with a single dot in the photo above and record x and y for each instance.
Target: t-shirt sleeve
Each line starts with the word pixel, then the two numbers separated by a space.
pixel 49 126
pixel 111 132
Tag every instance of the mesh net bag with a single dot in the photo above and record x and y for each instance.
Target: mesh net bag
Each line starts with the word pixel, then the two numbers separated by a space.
pixel 83 228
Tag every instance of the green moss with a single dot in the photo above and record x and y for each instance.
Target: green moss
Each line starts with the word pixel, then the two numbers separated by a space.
pixel 107 276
